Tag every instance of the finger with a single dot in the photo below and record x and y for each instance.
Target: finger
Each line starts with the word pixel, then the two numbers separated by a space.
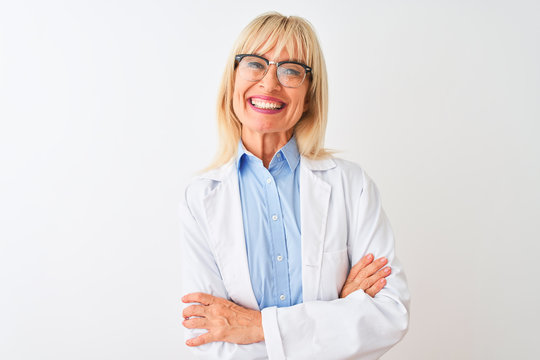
pixel 196 323
pixel 376 277
pixel 200 340
pixel 366 260
pixel 194 310
pixel 372 291
pixel 372 268
pixel 205 299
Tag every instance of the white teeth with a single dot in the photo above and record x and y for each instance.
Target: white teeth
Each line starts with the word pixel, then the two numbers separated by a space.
pixel 265 105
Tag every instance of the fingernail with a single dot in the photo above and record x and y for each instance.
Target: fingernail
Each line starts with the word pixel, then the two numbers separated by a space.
pixel 383 259
pixel 387 270
pixel 369 256
pixel 382 281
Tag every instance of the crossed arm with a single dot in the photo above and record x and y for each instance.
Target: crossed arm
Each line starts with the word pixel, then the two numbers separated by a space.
pixel 229 322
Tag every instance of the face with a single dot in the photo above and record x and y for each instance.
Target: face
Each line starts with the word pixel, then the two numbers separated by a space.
pixel 254 102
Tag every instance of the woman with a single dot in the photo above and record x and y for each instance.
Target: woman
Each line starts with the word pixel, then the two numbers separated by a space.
pixel 270 232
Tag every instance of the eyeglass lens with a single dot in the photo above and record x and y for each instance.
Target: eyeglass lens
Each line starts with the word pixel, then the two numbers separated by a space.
pixel 289 74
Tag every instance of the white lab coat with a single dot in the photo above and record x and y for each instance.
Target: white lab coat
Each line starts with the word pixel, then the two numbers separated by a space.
pixel 341 221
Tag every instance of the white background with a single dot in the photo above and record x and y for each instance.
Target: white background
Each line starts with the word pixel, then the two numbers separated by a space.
pixel 107 110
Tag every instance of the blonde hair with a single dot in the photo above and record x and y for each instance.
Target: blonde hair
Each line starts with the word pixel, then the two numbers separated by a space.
pixel 296 35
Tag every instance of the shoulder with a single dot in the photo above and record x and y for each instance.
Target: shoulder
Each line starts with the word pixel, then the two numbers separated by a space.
pixel 349 168
pixel 207 182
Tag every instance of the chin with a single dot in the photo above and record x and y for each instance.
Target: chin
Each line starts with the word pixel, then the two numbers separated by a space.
pixel 262 126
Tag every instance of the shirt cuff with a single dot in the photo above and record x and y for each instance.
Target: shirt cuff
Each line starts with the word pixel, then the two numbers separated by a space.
pixel 272 336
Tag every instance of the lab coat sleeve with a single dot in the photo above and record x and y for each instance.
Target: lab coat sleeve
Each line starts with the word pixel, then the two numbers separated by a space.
pixel 358 326
pixel 200 273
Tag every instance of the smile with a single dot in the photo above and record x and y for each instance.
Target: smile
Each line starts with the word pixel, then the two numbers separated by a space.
pixel 266 104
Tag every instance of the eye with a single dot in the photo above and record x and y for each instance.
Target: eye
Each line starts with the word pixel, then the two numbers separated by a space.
pixel 291 72
pixel 254 65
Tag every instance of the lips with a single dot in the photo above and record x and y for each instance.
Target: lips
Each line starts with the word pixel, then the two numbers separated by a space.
pixel 266 104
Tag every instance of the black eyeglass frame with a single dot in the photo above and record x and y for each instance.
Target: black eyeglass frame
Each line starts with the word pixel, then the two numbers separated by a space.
pixel 239 58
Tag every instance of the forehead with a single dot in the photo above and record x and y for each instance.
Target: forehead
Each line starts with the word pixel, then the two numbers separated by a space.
pixel 275 55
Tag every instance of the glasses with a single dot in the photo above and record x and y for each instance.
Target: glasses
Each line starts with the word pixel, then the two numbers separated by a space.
pixel 290 74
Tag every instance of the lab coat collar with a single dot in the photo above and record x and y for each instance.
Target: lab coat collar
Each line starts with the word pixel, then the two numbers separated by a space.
pixel 314 203
pixel 318 165
pixel 225 224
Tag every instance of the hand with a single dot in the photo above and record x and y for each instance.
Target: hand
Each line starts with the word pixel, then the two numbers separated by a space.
pixel 365 275
pixel 224 320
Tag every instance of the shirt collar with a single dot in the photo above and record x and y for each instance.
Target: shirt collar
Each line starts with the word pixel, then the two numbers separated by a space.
pixel 289 151
pixel 291 154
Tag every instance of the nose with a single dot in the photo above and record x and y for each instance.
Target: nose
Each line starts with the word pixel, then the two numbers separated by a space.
pixel 270 81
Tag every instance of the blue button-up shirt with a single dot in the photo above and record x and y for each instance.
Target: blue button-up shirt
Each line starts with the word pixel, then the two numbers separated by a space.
pixel 271 213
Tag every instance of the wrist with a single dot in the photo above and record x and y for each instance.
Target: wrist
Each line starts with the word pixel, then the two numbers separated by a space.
pixel 259 333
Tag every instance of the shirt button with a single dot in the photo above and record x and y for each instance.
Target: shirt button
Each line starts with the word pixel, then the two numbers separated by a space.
pixel 274 217
pixel 282 297
pixel 279 258
pixel 279 155
pixel 268 181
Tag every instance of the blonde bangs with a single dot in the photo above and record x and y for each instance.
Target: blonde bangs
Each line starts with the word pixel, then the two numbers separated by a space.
pixel 277 36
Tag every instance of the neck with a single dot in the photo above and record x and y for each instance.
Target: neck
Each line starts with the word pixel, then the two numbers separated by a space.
pixel 265 145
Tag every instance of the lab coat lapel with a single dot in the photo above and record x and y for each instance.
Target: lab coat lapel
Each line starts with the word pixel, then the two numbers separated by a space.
pixel 314 202
pixel 224 213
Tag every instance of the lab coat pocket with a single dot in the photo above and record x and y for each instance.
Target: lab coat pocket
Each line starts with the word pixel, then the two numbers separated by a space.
pixel 334 271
